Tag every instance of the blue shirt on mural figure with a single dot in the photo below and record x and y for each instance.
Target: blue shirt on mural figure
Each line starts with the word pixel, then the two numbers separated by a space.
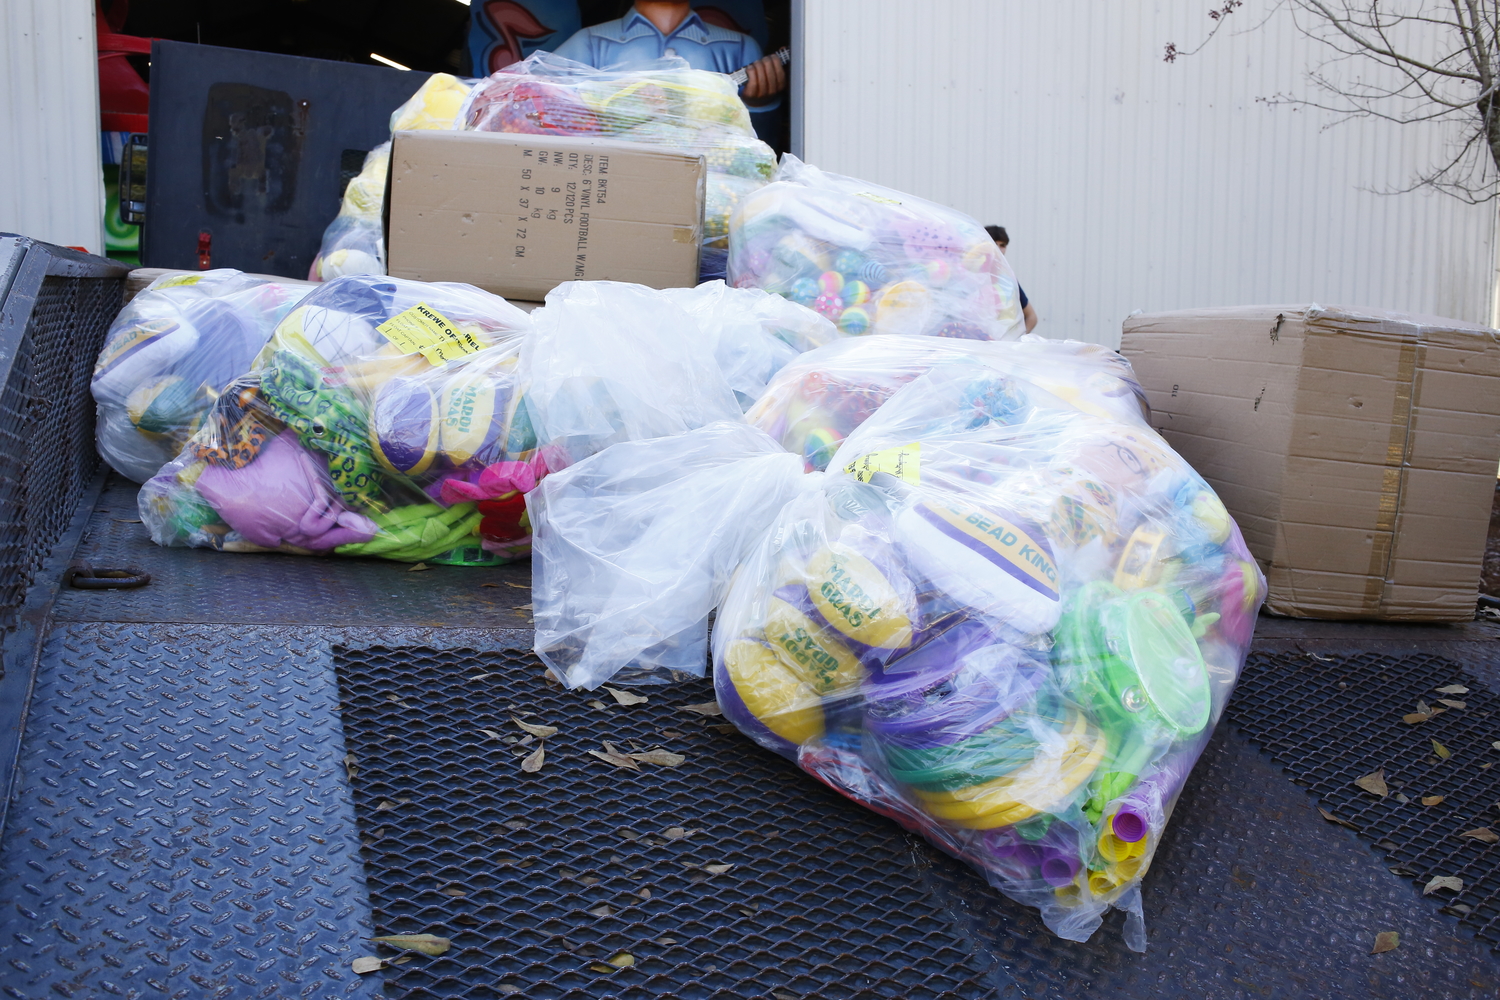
pixel 654 29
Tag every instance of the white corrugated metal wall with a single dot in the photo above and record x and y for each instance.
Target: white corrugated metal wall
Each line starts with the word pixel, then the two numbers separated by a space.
pixel 51 184
pixel 1128 183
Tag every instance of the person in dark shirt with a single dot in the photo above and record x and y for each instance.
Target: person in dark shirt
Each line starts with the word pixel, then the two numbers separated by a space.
pixel 1002 240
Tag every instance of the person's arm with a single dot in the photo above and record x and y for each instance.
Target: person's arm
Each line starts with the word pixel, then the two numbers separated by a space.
pixel 766 78
pixel 1029 314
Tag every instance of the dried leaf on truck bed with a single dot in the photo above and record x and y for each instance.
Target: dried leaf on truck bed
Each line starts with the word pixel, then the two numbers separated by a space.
pixel 1433 800
pixel 707 708
pixel 665 758
pixel 1385 941
pixel 540 732
pixel 418 568
pixel 1483 834
pixel 678 833
pixel 610 756
pixel 427 944
pixel 626 697
pixel 1444 882
pixel 1453 689
pixel 1330 817
pixel 533 763
pixel 717 869
pixel 367 963
pixel 1452 703
pixel 1374 783
pixel 1441 750
pixel 492 734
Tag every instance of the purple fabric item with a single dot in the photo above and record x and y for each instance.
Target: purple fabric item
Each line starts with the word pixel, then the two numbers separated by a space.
pixel 283 497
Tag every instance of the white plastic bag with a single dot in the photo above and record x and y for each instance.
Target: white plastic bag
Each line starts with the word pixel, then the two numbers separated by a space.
pixel 754 333
pixel 634 546
pixel 611 361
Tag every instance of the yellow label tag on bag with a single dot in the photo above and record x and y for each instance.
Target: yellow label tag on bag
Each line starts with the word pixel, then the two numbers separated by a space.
pixel 904 462
pixel 181 279
pixel 425 331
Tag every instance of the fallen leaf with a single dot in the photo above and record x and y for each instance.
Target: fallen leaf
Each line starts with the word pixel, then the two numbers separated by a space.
pixel 1453 689
pixel 717 869
pixel 1452 703
pixel 1412 718
pixel 418 568
pixel 1444 882
pixel 726 730
pixel 1423 708
pixel 1374 783
pixel 599 705
pixel 551 678
pixel 367 963
pixel 518 586
pixel 784 995
pixel 623 960
pixel 644 893
pixel 508 988
pixel 1486 767
pixel 1496 744
pixel 540 732
pixel 479 677
pixel 1483 834
pixel 489 585
pixel 671 734
pixel 128 520
pixel 1385 941
pixel 492 734
pixel 601 967
pixel 1433 800
pixel 350 765
pixel 1330 817
pixel 522 607
pixel 523 741
pixel 609 755
pixel 626 697
pixel 602 911
pixel 384 805
pixel 626 833
pixel 666 940
pixel 710 708
pixel 533 763
pixel 1441 750
pixel 455 891
pixel 665 758
pixel 427 944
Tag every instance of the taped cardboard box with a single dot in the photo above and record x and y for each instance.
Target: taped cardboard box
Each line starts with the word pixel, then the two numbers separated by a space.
pixel 1356 448
pixel 518 215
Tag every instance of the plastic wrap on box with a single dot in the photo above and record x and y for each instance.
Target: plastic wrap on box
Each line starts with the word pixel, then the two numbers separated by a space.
pixel 1006 619
pixel 814 402
pixel 754 334
pixel 383 418
pixel 611 361
pixel 354 242
pixel 635 545
pixel 666 104
pixel 170 353
pixel 872 259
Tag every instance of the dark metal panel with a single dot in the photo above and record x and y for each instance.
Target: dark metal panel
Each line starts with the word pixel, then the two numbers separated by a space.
pixel 246 147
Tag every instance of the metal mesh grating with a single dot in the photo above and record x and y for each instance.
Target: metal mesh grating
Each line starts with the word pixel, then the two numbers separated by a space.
pixel 538 879
pixel 1330 720
pixel 47 424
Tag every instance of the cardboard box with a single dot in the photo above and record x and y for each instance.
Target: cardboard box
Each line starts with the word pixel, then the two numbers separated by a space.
pixel 1356 448
pixel 520 214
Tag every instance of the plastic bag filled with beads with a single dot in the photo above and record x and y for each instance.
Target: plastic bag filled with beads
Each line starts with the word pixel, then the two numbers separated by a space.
pixel 169 354
pixel 812 404
pixel 666 103
pixel 383 418
pixel 872 259
pixel 354 242
pixel 1005 618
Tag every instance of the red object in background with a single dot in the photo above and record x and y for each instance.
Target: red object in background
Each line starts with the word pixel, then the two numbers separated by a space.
pixel 501 518
pixel 205 250
pixel 124 97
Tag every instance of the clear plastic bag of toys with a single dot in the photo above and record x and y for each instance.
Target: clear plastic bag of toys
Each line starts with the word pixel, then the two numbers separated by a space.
pixel 611 361
pixel 169 354
pixel 814 402
pixel 872 259
pixel 354 242
pixel 635 545
pixel 383 418
pixel 1006 619
pixel 754 334
pixel 666 104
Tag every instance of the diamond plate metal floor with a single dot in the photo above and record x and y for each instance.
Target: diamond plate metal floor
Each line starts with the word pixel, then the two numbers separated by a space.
pixel 198 585
pixel 183 824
